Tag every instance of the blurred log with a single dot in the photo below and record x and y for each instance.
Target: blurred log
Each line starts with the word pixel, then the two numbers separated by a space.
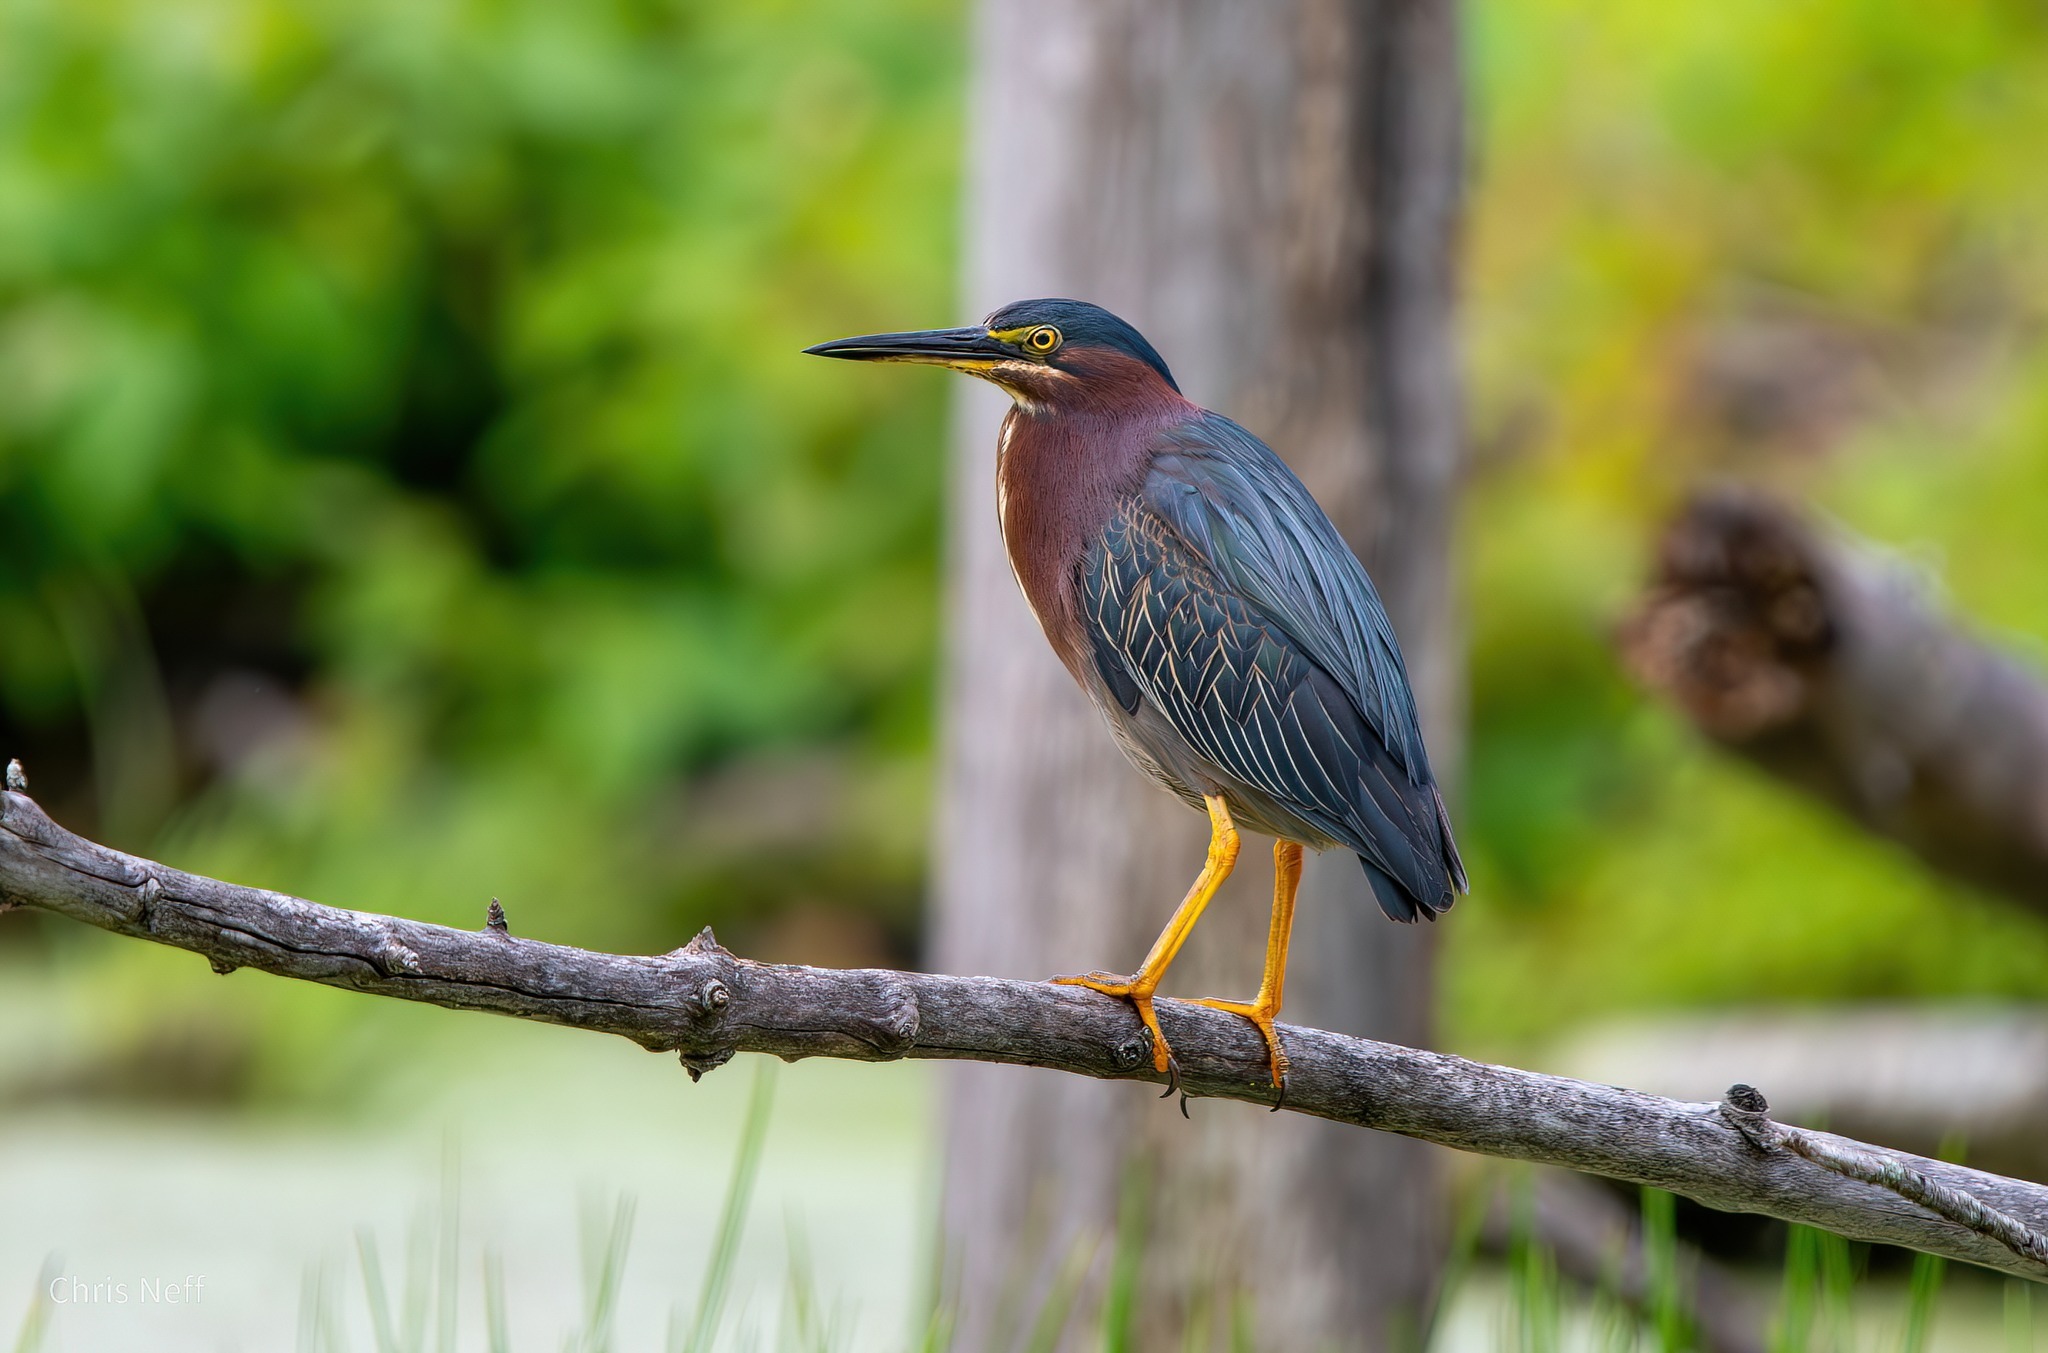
pixel 1824 661
pixel 706 1005
pixel 1270 193
pixel 1924 1078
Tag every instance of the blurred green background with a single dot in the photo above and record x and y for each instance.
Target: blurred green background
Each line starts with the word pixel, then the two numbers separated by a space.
pixel 411 491
pixel 1799 244
pixel 411 488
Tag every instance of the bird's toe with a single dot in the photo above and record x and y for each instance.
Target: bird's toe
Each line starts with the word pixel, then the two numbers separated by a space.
pixel 1131 988
pixel 1108 983
pixel 1262 1018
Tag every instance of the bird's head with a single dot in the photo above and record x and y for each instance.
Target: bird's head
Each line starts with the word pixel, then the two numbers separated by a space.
pixel 1045 353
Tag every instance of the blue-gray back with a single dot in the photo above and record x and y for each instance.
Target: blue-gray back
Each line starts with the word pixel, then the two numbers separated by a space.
pixel 1224 594
pixel 1239 506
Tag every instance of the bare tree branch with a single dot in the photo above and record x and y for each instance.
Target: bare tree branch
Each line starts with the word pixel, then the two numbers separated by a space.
pixel 1825 661
pixel 704 1004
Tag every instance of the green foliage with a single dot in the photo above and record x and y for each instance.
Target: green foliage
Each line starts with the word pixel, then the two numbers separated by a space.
pixel 1800 244
pixel 407 468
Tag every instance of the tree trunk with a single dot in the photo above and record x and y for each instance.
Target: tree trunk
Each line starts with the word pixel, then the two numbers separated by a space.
pixel 1269 193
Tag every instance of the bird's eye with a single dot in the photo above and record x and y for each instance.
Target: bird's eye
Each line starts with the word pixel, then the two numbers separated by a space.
pixel 1043 339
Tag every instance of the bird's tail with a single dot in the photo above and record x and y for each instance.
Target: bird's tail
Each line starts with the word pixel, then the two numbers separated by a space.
pixel 1397 902
pixel 1402 904
pixel 1452 862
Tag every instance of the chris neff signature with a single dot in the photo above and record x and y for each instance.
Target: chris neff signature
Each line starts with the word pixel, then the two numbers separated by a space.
pixel 73 1291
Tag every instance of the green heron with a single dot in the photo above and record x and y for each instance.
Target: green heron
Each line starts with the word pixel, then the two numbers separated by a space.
pixel 1206 604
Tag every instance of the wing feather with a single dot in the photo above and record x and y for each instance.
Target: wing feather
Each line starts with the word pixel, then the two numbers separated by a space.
pixel 1251 698
pixel 1244 513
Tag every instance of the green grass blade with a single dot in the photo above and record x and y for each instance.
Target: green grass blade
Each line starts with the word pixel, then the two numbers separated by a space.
pixel 815 1329
pixel 1794 1325
pixel 381 1328
pixel 448 1276
pixel 1120 1300
pixel 1458 1263
pixel 1926 1289
pixel 938 1331
pixel 1669 1307
pixel 1838 1290
pixel 497 1329
pixel 1614 1327
pixel 332 1337
pixel 1243 1324
pixel 930 1328
pixel 802 1290
pixel 604 1271
pixel 2019 1317
pixel 1195 1338
pixel 1051 1324
pixel 732 1219
pixel 35 1323
pixel 317 1330
pixel 419 1282
pixel 1536 1315
pixel 309 1310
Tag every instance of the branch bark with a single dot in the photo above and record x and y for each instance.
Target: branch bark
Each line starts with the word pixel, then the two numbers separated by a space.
pixel 706 1005
pixel 1824 661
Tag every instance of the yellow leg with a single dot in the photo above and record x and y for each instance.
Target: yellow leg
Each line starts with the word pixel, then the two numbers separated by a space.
pixel 1140 986
pixel 1266 1007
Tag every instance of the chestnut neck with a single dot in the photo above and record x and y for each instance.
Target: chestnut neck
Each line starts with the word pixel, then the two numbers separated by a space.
pixel 1071 449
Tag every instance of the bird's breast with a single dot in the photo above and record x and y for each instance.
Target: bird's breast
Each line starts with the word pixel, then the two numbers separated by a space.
pixel 1003 514
pixel 1053 498
pixel 1061 474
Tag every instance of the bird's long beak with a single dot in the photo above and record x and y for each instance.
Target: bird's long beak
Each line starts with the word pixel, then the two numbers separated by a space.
pixel 968 349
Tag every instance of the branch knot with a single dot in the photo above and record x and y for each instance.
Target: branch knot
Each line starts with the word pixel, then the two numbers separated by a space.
pixel 1746 1111
pixel 394 958
pixel 707 1044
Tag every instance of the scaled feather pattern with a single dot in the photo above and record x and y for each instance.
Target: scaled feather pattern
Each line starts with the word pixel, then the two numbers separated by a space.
pixel 1221 594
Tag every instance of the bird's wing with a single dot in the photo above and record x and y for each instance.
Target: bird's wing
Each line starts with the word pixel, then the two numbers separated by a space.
pixel 1245 514
pixel 1167 627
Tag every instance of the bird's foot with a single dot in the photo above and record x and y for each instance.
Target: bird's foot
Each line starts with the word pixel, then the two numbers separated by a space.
pixel 1261 1015
pixel 1139 994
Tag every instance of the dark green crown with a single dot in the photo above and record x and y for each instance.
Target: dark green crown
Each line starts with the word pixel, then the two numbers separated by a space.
pixel 1084 325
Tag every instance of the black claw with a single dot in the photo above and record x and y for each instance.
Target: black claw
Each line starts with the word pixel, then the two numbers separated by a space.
pixel 1184 1106
pixel 1281 1102
pixel 1172 1075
